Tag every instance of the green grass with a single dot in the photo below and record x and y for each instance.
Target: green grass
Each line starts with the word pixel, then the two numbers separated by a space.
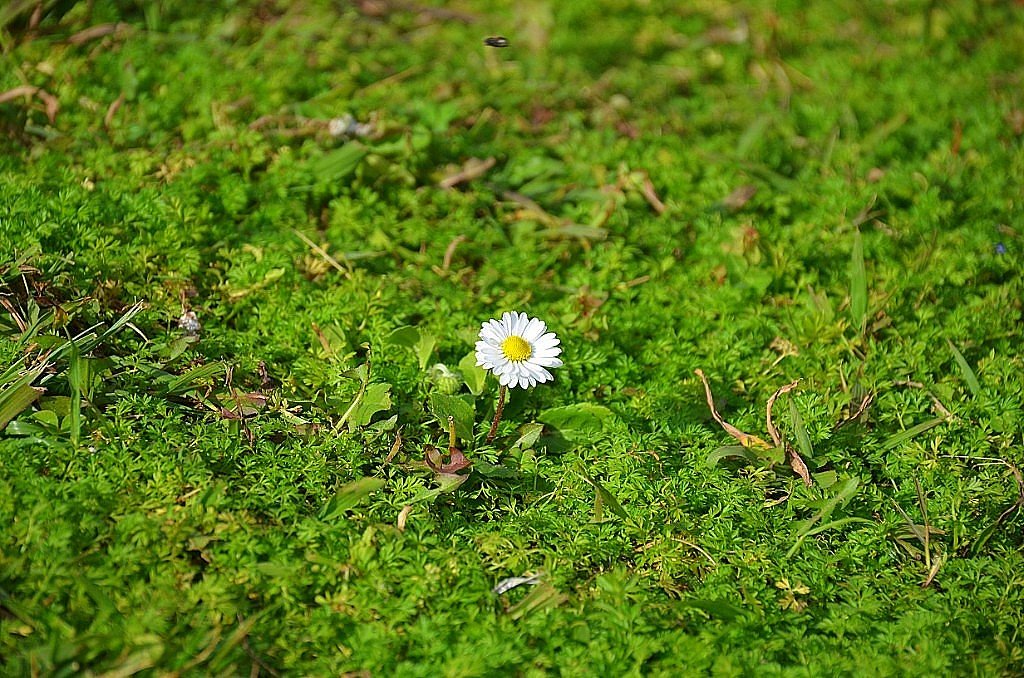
pixel 764 191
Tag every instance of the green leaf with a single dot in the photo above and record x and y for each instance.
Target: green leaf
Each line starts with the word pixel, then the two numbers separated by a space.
pixel 376 398
pixel 443 406
pixel 803 441
pixel 731 452
pixel 529 434
pixel 424 347
pixel 965 370
pixel 844 491
pixel 403 336
pixel 576 422
pixel 858 284
pixel 76 378
pixel 474 375
pixel 192 379
pixel 339 163
pixel 602 497
pixel 422 343
pixel 348 496
pixel 716 607
pixel 15 399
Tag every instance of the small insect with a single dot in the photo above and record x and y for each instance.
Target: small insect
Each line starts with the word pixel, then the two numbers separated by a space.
pixel 496 41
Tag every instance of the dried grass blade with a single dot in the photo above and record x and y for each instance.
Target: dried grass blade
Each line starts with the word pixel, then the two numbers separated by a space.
pixel 772 431
pixel 745 439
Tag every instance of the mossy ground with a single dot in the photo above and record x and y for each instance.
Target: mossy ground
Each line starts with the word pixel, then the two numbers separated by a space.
pixel 765 191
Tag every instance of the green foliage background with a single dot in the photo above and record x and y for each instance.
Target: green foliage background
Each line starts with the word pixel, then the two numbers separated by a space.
pixel 766 191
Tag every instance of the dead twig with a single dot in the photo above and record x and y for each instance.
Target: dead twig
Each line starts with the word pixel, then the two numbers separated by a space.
pixel 322 253
pixel 112 110
pixel 449 252
pixel 474 168
pixel 99 31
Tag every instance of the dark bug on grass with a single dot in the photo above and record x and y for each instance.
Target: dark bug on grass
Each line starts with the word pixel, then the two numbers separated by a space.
pixel 496 41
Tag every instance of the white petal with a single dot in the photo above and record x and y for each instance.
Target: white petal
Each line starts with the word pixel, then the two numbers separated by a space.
pixel 521 322
pixel 547 362
pixel 549 339
pixel 539 373
pixel 547 352
pixel 489 333
pixel 508 321
pixel 534 329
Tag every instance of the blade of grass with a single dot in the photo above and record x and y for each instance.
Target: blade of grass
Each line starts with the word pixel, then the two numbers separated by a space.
pixel 821 528
pixel 904 436
pixel 75 379
pixel 803 441
pixel 858 284
pixel 606 498
pixel 965 370
pixel 187 381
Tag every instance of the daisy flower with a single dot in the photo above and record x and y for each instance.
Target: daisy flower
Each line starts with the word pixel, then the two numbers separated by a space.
pixel 518 350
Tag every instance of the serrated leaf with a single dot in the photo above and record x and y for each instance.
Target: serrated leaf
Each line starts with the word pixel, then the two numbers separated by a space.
pixel 376 398
pixel 474 375
pixel 576 422
pixel 443 406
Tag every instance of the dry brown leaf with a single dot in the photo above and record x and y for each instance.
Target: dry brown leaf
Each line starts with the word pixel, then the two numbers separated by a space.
pixel 403 516
pixel 739 197
pixel 435 460
pixel 745 439
pixel 798 465
pixel 395 446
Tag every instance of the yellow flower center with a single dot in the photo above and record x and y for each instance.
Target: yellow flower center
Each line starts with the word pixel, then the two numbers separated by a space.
pixel 516 349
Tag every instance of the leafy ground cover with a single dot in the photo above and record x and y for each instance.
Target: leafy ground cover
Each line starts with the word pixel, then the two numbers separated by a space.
pixel 245 251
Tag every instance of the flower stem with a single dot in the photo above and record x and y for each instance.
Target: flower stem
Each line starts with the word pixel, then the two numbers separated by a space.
pixel 497 413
